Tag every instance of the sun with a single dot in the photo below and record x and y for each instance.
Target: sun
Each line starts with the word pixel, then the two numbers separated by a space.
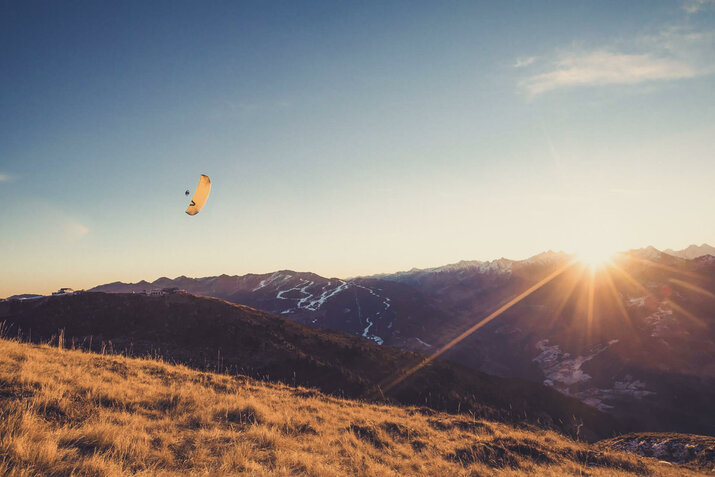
pixel 594 256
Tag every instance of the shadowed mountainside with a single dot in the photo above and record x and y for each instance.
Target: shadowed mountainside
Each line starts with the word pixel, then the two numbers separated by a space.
pixel 635 338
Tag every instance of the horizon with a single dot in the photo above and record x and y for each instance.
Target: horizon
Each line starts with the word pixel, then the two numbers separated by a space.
pixel 351 277
pixel 347 140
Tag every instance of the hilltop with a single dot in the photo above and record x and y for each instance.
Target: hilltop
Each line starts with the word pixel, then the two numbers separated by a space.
pixel 68 412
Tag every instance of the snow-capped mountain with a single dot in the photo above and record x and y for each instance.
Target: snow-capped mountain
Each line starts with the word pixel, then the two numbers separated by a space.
pixel 371 308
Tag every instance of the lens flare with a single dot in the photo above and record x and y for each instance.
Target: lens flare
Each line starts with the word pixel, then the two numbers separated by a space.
pixel 594 257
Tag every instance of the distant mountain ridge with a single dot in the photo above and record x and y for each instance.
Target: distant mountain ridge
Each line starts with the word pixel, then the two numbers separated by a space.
pixel 692 251
pixel 387 308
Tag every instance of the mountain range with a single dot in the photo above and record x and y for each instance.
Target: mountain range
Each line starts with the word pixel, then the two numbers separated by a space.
pixel 692 251
pixel 634 338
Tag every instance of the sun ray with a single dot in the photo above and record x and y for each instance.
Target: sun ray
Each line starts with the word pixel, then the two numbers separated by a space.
pixel 616 298
pixel 591 295
pixel 668 268
pixel 699 322
pixel 394 382
pixel 694 319
pixel 631 280
pixel 567 295
pixel 691 287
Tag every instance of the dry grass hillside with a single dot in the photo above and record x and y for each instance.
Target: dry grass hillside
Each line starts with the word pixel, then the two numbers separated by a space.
pixel 65 412
pixel 212 335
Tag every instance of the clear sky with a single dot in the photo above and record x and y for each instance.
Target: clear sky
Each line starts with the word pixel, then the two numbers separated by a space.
pixel 347 138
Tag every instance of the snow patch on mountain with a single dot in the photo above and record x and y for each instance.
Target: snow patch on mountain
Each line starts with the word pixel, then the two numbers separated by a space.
pixel 369 319
pixel 660 321
pixel 308 296
pixel 423 343
pixel 501 265
pixel 638 301
pixel 626 389
pixel 676 448
pixel 309 301
pixel 264 282
pixel 366 331
pixel 300 287
pixel 327 293
pixel 562 371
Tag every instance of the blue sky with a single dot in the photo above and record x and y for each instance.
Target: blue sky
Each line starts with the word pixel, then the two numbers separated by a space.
pixel 347 138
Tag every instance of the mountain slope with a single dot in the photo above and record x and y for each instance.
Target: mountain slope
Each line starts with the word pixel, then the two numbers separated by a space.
pixel 73 413
pixel 213 334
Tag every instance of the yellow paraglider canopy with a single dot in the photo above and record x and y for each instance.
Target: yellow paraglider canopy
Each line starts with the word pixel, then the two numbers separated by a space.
pixel 200 196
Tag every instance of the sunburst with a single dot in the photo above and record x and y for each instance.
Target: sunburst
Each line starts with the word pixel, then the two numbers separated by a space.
pixel 598 265
pixel 594 256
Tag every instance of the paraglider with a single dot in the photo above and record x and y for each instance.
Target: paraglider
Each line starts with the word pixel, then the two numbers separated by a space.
pixel 200 196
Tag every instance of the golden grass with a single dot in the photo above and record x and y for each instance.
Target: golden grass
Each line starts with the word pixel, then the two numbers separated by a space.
pixel 66 412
